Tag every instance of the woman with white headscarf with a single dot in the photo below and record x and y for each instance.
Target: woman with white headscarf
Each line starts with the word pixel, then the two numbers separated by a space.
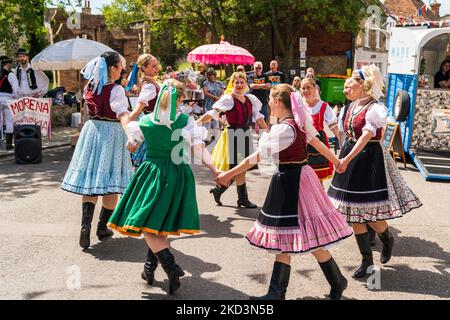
pixel 371 190
pixel 101 165
pixel 160 199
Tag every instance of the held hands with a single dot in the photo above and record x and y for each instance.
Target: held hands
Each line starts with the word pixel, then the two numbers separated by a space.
pixel 130 147
pixel 341 167
pixel 223 179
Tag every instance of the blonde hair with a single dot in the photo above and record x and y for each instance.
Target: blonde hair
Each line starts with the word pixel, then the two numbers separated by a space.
pixel 373 80
pixel 165 95
pixel 283 92
pixel 309 80
pixel 238 75
pixel 142 62
pixel 296 78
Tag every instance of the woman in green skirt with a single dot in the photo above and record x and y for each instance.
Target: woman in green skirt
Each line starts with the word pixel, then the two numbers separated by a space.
pixel 160 199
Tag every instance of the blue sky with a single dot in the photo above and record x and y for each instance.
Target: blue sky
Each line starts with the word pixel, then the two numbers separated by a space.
pixel 96 4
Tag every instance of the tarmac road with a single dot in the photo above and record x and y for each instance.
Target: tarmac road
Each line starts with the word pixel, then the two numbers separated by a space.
pixel 41 258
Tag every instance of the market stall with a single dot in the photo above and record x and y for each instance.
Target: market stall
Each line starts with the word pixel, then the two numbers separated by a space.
pixel 421 110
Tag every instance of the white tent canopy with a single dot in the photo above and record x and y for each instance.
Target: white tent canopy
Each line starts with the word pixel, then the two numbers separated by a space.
pixel 72 54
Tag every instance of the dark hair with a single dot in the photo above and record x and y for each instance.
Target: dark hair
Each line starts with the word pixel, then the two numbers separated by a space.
pixel 112 58
pixel 443 63
pixel 211 71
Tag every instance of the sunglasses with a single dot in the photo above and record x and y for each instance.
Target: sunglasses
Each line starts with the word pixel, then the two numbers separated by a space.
pixel 258 68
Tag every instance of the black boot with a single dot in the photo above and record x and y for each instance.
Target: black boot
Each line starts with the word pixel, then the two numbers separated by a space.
pixel 9 141
pixel 371 233
pixel 278 283
pixel 102 230
pixel 86 220
pixel 388 243
pixel 335 278
pixel 174 271
pixel 150 266
pixel 366 251
pixel 243 197
pixel 217 193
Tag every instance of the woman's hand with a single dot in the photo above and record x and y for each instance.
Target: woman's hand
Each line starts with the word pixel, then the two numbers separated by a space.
pixel 342 166
pixel 130 147
pixel 223 179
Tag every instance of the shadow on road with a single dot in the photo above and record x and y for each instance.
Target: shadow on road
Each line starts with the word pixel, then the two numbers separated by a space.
pixel 196 287
pixel 20 181
pixel 404 278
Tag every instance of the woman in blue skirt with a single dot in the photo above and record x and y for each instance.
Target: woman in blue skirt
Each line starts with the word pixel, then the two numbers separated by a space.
pixel 101 165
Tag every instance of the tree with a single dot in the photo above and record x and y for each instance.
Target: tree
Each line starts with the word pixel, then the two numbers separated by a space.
pixel 186 18
pixel 23 21
pixel 289 18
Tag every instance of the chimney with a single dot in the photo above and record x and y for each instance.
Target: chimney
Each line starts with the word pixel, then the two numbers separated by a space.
pixel 87 7
pixel 435 6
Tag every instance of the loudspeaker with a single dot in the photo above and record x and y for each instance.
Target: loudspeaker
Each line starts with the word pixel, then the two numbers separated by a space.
pixel 28 144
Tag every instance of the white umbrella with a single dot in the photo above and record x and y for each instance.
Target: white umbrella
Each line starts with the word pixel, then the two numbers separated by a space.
pixel 69 54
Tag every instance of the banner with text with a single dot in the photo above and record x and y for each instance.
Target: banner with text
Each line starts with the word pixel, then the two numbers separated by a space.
pixel 28 110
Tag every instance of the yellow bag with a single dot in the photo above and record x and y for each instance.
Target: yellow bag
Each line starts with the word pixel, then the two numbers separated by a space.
pixel 220 154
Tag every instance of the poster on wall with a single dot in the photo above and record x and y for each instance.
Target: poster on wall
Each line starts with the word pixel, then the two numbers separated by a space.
pixel 440 121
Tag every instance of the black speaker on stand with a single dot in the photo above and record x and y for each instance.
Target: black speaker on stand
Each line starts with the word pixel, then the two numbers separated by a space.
pixel 27 144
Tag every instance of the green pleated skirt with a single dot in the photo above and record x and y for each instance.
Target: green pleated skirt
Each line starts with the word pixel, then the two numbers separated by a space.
pixel 160 199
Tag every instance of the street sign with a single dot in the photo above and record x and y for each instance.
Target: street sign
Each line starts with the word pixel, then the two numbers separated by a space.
pixel 302 63
pixel 302 54
pixel 303 44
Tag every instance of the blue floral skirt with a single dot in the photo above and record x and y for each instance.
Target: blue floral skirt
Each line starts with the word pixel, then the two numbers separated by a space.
pixel 100 164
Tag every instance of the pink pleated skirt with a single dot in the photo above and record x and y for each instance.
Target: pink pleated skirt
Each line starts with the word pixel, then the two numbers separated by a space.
pixel 297 216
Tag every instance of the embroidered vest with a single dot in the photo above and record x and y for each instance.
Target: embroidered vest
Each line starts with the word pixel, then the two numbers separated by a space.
pixel 296 152
pixel 319 118
pixel 5 86
pixel 241 114
pixel 355 122
pixel 99 107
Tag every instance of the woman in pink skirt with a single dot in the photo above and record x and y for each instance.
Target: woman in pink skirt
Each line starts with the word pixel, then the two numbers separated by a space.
pixel 297 216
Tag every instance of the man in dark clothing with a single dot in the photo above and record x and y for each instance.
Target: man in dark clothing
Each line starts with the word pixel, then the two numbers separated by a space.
pixel 9 87
pixel 260 86
pixel 275 76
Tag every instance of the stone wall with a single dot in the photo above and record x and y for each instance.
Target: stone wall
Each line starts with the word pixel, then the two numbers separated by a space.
pixel 423 139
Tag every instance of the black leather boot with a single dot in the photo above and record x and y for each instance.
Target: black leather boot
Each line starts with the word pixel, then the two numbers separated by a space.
pixel 388 243
pixel 217 192
pixel 86 220
pixel 102 230
pixel 371 233
pixel 335 278
pixel 366 251
pixel 174 271
pixel 278 283
pixel 9 141
pixel 243 197
pixel 150 266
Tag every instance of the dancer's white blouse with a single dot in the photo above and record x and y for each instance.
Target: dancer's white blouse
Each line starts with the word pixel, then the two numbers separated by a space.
pixel 376 117
pixel 280 137
pixel 226 103
pixel 192 133
pixel 148 93
pixel 118 101
pixel 329 116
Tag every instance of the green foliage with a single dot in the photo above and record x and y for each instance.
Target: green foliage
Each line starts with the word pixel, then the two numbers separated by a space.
pixel 122 12
pixel 189 20
pixel 23 21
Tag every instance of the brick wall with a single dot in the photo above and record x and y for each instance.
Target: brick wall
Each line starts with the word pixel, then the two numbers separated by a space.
pixel 94 28
pixel 326 51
